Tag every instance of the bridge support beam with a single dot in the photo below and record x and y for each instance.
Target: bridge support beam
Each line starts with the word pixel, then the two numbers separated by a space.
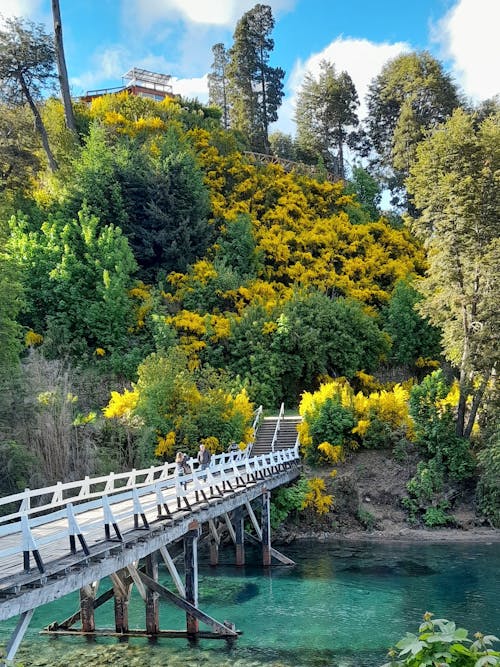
pixel 17 637
pixel 121 590
pixel 239 531
pixel 152 597
pixel 266 528
pixel 87 599
pixel 191 569
pixel 214 542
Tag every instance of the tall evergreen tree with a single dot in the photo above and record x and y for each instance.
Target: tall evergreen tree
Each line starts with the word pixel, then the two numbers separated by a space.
pixel 326 109
pixel 455 182
pixel 256 88
pixel 412 93
pixel 218 83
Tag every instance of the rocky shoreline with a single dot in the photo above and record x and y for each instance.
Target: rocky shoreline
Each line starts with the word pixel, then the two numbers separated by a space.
pixel 401 534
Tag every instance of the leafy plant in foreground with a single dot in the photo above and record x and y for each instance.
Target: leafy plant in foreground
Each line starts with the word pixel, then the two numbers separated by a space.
pixel 440 642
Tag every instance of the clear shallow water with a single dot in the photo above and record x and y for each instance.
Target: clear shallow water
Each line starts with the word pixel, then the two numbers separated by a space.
pixel 343 604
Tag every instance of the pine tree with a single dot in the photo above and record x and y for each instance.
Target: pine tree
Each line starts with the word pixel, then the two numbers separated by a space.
pixel 256 88
pixel 326 109
pixel 218 83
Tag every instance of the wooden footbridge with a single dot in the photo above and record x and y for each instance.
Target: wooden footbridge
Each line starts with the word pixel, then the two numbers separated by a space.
pixel 68 537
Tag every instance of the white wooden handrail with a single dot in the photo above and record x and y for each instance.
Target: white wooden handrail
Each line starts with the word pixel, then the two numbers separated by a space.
pixel 255 425
pixel 63 493
pixel 116 505
pixel 277 429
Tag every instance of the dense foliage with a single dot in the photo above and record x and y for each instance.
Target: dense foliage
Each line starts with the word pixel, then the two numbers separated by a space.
pixel 165 283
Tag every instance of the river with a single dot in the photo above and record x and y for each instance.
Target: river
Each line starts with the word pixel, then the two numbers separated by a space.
pixel 342 605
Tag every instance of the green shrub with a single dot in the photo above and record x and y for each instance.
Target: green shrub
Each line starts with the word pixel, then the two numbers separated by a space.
pixel 436 516
pixel 440 642
pixel 287 500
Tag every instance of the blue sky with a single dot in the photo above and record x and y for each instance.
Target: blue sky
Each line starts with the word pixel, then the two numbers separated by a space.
pixel 105 38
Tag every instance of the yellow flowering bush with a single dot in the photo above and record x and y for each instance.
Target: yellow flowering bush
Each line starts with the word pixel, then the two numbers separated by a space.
pixel 121 406
pixel 331 453
pixel 327 415
pixel 166 445
pixel 316 498
pixel 32 338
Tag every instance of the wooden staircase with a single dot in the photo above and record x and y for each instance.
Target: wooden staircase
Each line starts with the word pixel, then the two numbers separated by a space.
pixel 286 436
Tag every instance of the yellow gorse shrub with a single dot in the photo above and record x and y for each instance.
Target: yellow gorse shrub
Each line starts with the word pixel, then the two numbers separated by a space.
pixel 316 498
pixel 331 453
pixel 31 339
pixel 121 406
pixel 211 443
pixel 166 445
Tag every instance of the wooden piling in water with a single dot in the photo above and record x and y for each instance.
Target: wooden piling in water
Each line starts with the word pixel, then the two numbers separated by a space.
pixel 191 569
pixel 152 597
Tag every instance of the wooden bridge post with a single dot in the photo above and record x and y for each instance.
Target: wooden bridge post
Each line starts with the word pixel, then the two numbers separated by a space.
pixel 121 591
pixel 191 567
pixel 214 542
pixel 87 599
pixel 239 529
pixel 152 597
pixel 266 527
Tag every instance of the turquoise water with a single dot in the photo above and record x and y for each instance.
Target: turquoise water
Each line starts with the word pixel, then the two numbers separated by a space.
pixel 343 604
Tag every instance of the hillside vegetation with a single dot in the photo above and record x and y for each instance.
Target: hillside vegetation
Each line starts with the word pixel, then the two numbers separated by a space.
pixel 158 285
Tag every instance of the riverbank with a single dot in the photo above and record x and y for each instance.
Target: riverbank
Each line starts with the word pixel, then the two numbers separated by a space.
pixel 405 534
pixel 368 489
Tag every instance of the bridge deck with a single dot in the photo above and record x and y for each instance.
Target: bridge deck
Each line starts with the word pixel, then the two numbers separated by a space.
pixel 130 516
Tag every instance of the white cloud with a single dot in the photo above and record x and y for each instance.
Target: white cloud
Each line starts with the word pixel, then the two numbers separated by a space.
pixel 107 65
pixel 361 58
pixel 203 12
pixel 191 88
pixel 26 8
pixel 468 34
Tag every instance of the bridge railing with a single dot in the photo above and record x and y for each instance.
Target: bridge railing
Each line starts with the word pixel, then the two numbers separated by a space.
pixel 278 425
pixel 118 505
pixel 257 415
pixel 36 501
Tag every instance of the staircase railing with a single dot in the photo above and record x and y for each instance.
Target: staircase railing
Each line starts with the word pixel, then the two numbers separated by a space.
pixel 255 426
pixel 277 429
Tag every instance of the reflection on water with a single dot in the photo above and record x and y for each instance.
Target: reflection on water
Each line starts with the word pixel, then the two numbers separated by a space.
pixel 343 604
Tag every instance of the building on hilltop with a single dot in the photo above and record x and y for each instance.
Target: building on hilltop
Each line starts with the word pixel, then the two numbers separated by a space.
pixel 140 82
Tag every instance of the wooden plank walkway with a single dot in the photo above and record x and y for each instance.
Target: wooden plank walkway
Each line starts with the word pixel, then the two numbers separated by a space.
pixel 113 529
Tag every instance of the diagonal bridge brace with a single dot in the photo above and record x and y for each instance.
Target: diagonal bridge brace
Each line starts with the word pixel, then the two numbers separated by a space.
pixel 217 627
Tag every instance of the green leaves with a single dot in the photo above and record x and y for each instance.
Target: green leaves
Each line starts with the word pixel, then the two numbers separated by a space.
pixel 439 642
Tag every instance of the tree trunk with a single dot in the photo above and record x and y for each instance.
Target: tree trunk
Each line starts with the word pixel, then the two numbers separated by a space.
pixel 341 154
pixel 61 68
pixel 476 403
pixel 39 125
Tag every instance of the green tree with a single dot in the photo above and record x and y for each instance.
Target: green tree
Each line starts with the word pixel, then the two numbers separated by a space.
pixel 412 336
pixel 455 184
pixel 218 82
pixel 326 109
pixel 368 193
pixel 27 60
pixel 10 306
pixel 236 248
pixel 175 230
pixel 18 151
pixel 77 274
pixel 256 88
pixel 283 146
pixel 412 93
